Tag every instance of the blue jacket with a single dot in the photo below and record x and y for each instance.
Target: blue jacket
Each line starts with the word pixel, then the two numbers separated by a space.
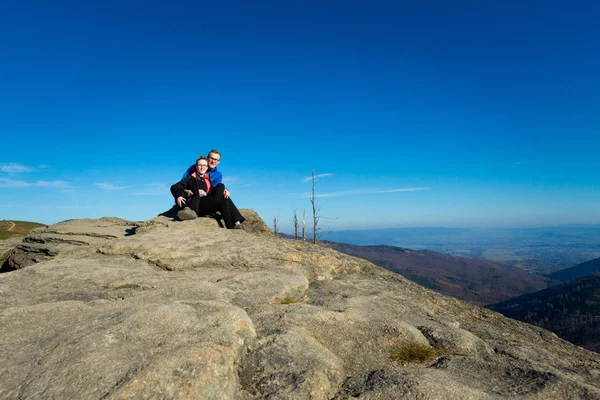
pixel 215 176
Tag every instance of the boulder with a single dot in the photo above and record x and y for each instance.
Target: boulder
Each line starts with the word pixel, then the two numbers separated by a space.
pixel 163 308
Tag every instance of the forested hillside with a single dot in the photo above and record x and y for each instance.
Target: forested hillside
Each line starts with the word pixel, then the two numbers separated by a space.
pixel 571 310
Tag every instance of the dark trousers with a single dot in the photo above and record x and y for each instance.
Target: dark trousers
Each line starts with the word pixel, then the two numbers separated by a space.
pixel 229 211
pixel 216 201
pixel 202 205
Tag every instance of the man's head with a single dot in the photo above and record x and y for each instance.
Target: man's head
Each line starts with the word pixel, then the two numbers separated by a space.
pixel 214 157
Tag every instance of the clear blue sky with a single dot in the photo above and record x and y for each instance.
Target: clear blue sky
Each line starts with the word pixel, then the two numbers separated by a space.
pixel 417 113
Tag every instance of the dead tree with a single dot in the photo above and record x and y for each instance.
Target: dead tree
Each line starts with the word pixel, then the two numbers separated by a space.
pixel 275 219
pixel 295 221
pixel 315 209
pixel 304 225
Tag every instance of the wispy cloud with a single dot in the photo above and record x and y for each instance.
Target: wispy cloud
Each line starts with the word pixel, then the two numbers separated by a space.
pixel 230 180
pixel 359 192
pixel 11 183
pixel 65 207
pixel 12 168
pixel 155 185
pixel 58 184
pixel 153 189
pixel 317 177
pixel 109 186
pixel 415 189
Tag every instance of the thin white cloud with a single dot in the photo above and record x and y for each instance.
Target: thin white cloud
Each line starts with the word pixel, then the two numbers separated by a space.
pixel 415 189
pixel 65 207
pixel 317 177
pixel 11 183
pixel 109 186
pixel 359 192
pixel 12 168
pixel 153 189
pixel 58 184
pixel 230 180
pixel 150 193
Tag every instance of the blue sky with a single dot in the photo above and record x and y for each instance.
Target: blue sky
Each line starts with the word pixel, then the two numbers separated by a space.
pixel 432 113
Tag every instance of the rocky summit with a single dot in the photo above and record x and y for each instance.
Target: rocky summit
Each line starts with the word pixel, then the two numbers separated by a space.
pixel 167 309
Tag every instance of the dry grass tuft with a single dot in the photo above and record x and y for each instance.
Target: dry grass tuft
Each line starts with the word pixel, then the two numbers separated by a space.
pixel 288 300
pixel 410 352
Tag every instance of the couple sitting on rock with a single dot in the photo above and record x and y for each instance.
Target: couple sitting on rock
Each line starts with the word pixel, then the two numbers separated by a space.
pixel 201 192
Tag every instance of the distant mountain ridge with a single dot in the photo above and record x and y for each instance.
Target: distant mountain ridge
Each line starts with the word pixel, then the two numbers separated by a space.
pixel 579 270
pixel 542 250
pixel 571 310
pixel 476 281
pixel 386 234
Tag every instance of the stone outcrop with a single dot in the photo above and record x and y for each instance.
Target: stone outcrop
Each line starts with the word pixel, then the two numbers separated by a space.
pixel 166 309
pixel 7 247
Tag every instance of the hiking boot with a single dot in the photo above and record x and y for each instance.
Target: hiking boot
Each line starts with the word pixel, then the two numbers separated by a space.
pixel 238 225
pixel 186 214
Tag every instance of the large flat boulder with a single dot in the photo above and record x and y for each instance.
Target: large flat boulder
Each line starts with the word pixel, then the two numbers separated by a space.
pixel 185 309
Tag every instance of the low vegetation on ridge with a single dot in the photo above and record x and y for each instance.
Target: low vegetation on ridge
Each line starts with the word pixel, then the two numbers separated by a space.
pixel 10 229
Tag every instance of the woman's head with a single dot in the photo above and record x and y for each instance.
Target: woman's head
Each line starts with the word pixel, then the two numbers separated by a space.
pixel 202 164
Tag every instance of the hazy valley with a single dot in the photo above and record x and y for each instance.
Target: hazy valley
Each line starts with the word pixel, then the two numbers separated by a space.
pixel 542 250
pixel 476 281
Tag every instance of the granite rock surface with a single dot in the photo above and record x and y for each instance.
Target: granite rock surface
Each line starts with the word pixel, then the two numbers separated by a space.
pixel 108 308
